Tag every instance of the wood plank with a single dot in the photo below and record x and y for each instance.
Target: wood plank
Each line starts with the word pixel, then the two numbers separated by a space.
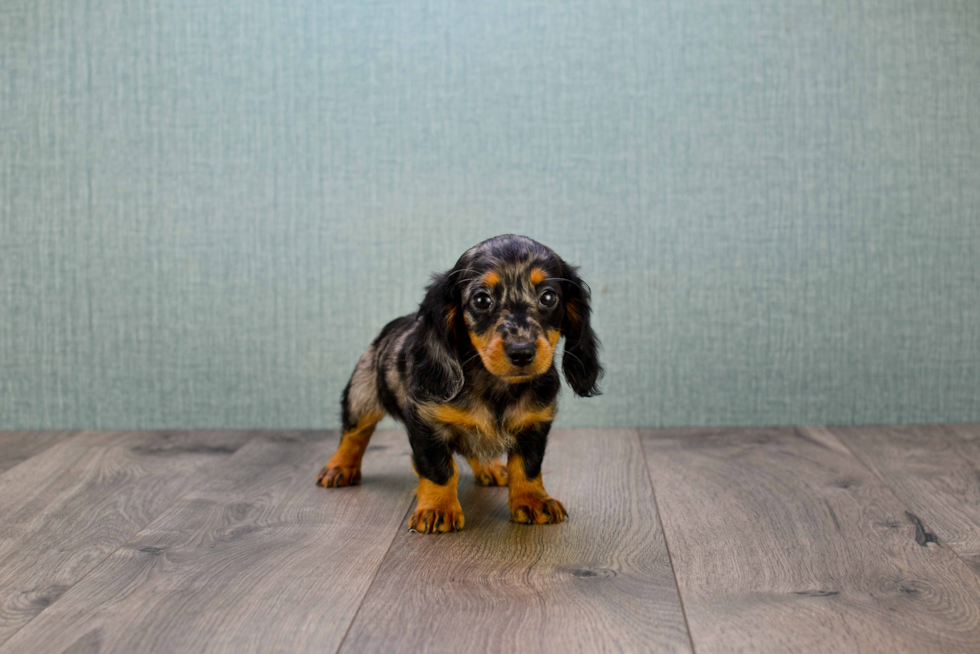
pixel 67 508
pixel 782 541
pixel 18 446
pixel 258 559
pixel 599 582
pixel 935 470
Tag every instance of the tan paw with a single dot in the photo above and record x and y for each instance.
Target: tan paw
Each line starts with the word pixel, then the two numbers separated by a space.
pixel 436 520
pixel 493 474
pixel 531 510
pixel 338 476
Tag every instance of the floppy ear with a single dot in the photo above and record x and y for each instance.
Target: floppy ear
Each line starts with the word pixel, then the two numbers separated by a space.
pixel 580 362
pixel 437 374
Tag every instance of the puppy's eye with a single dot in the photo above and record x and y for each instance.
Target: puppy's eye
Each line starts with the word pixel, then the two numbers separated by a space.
pixel 482 302
pixel 549 299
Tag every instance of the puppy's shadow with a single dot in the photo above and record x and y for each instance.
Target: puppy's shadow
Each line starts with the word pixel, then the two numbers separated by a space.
pixel 387 482
pixel 483 505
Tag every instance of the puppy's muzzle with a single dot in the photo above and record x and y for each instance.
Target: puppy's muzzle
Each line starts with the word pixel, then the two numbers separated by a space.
pixel 521 354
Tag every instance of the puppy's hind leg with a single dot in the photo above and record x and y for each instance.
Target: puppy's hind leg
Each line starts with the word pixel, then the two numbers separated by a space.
pixel 362 410
pixel 493 473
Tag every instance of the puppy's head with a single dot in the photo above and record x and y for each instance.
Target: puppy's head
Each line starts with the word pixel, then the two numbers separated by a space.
pixel 512 299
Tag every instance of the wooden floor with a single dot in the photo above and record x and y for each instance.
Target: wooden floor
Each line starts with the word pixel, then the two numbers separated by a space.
pixel 711 540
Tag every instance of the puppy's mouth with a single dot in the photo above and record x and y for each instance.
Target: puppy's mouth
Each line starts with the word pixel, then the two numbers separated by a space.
pixel 515 363
pixel 518 379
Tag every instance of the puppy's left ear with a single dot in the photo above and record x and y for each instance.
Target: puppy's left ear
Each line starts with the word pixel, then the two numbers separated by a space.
pixel 580 362
pixel 437 373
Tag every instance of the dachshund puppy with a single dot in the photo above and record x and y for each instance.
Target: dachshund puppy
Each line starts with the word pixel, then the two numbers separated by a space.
pixel 472 373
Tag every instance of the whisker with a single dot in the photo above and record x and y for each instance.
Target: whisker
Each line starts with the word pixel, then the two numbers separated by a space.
pixel 579 283
pixel 566 353
pixel 464 270
pixel 474 356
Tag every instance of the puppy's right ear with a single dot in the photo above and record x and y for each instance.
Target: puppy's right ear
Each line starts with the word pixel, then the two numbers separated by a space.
pixel 437 375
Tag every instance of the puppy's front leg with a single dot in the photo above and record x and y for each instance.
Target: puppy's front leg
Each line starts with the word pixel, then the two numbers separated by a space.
pixel 529 502
pixel 437 510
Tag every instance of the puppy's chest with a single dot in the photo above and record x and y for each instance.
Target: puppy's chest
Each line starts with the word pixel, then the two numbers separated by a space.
pixel 481 430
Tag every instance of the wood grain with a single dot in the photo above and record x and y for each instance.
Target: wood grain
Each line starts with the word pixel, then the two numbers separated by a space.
pixel 935 470
pixel 18 446
pixel 599 582
pixel 64 510
pixel 257 559
pixel 782 541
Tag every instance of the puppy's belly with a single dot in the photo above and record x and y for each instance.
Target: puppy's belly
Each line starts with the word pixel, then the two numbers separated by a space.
pixel 484 445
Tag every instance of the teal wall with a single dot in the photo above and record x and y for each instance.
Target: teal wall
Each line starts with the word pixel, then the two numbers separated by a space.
pixel 207 209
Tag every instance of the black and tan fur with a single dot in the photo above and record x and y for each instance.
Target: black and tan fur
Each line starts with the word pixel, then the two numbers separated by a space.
pixel 472 373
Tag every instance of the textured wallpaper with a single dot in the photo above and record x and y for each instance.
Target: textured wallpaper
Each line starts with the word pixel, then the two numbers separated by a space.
pixel 208 209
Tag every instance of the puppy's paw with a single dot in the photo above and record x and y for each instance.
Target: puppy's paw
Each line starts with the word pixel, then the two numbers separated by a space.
pixel 492 474
pixel 436 520
pixel 337 476
pixel 531 510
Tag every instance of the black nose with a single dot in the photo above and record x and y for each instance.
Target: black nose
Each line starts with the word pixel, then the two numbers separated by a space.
pixel 520 354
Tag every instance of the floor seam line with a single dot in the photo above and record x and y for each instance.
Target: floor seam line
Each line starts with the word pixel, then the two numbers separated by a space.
pixel 663 531
pixel 374 578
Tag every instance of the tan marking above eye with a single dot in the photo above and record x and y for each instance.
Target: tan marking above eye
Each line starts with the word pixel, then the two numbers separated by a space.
pixel 538 276
pixel 492 278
